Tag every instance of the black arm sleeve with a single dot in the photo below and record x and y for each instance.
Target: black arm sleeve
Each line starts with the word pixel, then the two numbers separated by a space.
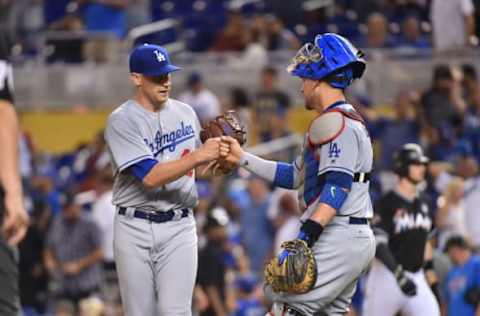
pixel 6 80
pixel 386 257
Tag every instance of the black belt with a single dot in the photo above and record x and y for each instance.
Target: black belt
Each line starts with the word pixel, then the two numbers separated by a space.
pixel 157 217
pixel 357 220
pixel 361 177
pixel 293 312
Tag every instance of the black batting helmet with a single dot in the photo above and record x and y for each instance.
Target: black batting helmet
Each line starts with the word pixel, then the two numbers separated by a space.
pixel 408 154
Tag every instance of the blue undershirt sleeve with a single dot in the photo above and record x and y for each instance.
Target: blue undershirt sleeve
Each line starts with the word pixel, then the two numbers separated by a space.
pixel 142 168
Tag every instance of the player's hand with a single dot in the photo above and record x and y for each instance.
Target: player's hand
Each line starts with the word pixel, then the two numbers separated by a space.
pixel 284 254
pixel 209 151
pixel 16 220
pixel 71 268
pixel 235 150
pixel 407 286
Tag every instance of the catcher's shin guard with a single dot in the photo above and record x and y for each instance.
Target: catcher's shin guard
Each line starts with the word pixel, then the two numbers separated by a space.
pixel 282 309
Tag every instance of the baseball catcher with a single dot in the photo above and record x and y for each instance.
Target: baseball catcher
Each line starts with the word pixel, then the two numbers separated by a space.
pixel 332 178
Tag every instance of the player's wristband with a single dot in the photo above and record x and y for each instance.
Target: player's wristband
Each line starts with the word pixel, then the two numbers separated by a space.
pixel 310 231
pixel 428 265
pixel 398 273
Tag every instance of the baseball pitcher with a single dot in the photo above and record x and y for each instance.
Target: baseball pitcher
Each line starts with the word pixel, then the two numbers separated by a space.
pixel 154 146
pixel 318 272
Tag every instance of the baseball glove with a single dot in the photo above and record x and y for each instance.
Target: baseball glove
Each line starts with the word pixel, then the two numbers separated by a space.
pixel 297 274
pixel 227 124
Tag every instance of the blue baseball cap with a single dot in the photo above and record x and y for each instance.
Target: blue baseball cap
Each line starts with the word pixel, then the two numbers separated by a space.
pixel 151 60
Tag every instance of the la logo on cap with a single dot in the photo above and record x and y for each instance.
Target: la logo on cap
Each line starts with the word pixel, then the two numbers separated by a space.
pixel 160 56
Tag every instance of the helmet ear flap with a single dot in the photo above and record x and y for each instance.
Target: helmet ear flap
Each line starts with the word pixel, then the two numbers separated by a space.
pixel 404 171
pixel 400 166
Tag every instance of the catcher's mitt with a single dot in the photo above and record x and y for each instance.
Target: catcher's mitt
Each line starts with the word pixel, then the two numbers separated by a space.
pixel 227 124
pixel 298 272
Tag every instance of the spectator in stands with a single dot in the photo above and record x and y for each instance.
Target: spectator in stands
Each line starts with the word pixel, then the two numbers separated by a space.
pixel 462 285
pixel 44 191
pixel 471 92
pixel 440 104
pixel 451 214
pixel 254 56
pixel 391 133
pixel 64 16
pixel 73 253
pixel 33 278
pixel 211 264
pixel 27 22
pixel 92 306
pixel 106 16
pixel 234 37
pixel 257 231
pixel 64 308
pixel 287 220
pixel 247 303
pixel 411 35
pixel 205 203
pixel 453 24
pixel 203 101
pixel 377 32
pixel 279 37
pixel 468 167
pixel 270 103
pixel 103 212
pixel 138 13
pixel 240 102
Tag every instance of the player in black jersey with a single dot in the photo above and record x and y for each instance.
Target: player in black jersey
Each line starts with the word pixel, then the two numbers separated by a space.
pixel 397 281
pixel 13 217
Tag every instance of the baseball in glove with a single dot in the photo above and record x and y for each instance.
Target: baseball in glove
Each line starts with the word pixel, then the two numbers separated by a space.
pixel 297 274
pixel 227 124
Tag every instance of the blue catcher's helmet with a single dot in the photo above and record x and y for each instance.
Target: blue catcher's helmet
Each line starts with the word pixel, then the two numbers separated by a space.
pixel 330 54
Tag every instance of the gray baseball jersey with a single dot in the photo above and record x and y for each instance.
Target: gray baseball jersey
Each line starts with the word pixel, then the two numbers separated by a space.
pixel 350 152
pixel 134 134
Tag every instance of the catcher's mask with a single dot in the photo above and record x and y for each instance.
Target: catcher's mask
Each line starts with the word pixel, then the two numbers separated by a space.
pixel 331 57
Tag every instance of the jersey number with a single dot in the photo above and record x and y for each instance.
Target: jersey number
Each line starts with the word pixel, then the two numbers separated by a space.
pixel 333 151
pixel 184 153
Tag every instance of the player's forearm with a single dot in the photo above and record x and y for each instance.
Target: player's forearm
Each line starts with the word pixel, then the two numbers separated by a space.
pixel 91 259
pixel 9 132
pixel 281 174
pixel 323 214
pixel 49 260
pixel 385 255
pixel 165 172
pixel 215 301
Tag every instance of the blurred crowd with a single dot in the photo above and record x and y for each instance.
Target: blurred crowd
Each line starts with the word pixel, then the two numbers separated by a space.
pixel 78 30
pixel 66 261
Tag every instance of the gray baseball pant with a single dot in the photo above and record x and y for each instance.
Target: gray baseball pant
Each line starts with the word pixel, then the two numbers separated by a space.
pixel 156 265
pixel 343 252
